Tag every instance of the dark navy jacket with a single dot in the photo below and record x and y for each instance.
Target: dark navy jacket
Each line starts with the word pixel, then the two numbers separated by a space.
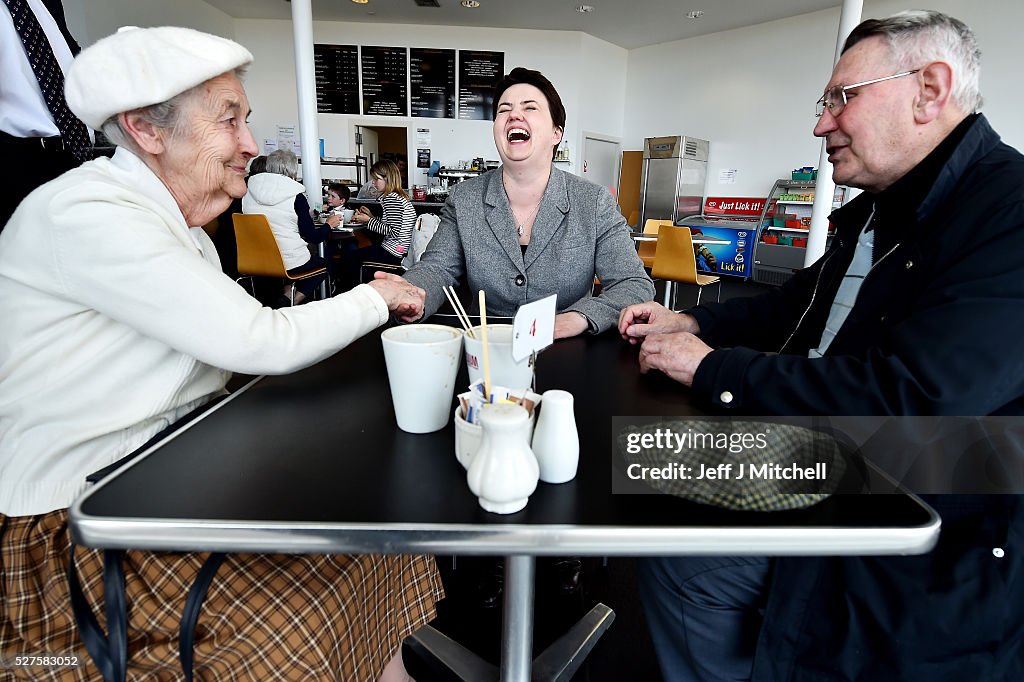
pixel 937 329
pixel 938 326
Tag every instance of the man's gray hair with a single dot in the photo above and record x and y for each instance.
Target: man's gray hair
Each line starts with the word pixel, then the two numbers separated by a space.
pixel 168 115
pixel 283 162
pixel 916 37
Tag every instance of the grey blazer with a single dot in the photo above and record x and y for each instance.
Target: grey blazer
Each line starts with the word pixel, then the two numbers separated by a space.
pixel 578 233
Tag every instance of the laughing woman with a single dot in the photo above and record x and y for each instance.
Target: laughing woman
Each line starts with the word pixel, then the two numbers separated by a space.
pixel 528 230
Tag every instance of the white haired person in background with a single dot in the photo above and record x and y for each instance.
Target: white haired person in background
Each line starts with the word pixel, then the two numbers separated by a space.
pixel 117 322
pixel 278 194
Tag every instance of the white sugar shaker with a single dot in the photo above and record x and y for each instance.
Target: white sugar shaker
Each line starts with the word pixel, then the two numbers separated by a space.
pixel 556 443
pixel 503 474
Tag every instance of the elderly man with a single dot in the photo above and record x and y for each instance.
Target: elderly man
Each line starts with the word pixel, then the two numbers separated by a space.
pixel 117 322
pixel 917 309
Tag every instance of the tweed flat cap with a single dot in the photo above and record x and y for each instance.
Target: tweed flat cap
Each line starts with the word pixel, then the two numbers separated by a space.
pixel 137 67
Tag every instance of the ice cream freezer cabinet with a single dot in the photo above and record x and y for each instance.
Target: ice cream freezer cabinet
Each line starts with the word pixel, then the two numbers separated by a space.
pixel 722 247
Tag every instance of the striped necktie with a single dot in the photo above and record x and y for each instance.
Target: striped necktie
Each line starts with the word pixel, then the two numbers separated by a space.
pixel 50 78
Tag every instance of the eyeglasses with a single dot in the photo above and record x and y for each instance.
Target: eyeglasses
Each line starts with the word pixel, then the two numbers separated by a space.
pixel 835 100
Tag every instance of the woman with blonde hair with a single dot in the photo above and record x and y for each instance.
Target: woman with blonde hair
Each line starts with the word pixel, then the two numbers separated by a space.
pixel 398 221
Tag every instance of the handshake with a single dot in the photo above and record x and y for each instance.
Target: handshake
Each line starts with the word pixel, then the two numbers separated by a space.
pixel 404 300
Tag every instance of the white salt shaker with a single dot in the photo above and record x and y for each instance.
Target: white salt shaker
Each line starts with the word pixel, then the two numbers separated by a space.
pixel 503 474
pixel 556 444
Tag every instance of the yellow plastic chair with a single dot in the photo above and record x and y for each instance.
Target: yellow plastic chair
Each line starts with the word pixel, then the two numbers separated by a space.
pixel 674 261
pixel 646 249
pixel 259 254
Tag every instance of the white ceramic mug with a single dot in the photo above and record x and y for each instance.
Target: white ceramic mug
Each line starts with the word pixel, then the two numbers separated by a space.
pixel 346 214
pixel 422 361
pixel 504 370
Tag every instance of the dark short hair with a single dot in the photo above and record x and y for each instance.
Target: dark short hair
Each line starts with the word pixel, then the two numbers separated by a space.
pixel 340 189
pixel 521 76
pixel 258 165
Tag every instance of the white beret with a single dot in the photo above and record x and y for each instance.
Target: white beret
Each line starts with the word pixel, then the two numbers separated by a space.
pixel 137 67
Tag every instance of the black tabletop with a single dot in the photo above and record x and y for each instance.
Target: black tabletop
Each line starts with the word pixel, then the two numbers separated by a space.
pixel 321 447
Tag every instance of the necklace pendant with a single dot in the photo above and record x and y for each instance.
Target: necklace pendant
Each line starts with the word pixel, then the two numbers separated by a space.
pixel 520 230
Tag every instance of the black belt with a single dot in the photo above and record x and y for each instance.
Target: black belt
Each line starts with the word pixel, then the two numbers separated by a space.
pixel 50 144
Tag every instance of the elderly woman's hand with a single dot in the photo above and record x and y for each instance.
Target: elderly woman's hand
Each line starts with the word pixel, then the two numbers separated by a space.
pixel 404 300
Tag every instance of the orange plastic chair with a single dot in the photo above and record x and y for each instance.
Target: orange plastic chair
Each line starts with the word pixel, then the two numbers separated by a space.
pixel 674 261
pixel 646 249
pixel 259 254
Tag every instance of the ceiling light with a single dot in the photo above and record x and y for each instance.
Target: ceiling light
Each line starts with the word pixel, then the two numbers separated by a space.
pixel 585 9
pixel 360 2
pixel 695 14
pixel 470 4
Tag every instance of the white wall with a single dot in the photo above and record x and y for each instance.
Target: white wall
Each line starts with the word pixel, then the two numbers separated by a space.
pixel 751 91
pixel 565 57
pixel 602 91
pixel 90 20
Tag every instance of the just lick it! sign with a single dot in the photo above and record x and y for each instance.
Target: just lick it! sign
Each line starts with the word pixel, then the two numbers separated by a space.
pixel 734 206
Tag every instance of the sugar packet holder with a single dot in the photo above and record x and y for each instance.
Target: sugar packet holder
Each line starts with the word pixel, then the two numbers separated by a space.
pixel 472 401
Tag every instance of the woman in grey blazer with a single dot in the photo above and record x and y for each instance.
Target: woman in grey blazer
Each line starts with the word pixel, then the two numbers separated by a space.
pixel 527 230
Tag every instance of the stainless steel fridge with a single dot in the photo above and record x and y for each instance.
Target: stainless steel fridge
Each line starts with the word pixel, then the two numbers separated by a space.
pixel 674 173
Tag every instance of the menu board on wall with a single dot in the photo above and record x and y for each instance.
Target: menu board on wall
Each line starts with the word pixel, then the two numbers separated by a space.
pixel 478 73
pixel 337 79
pixel 385 73
pixel 432 82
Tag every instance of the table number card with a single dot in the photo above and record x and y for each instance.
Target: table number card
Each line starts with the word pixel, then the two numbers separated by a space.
pixel 533 328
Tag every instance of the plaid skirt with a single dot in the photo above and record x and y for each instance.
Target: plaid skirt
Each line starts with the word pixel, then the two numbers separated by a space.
pixel 265 617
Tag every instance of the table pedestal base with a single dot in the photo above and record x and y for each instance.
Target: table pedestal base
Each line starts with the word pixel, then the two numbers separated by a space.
pixel 449 660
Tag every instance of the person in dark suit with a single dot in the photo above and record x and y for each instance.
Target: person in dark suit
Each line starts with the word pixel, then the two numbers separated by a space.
pixel 28 130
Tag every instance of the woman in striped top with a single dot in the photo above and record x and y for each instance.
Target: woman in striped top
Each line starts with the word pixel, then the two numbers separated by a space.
pixel 399 217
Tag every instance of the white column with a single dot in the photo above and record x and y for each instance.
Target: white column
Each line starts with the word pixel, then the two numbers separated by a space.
pixel 305 83
pixel 825 188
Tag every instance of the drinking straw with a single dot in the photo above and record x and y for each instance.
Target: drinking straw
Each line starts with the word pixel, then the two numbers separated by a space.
pixel 483 337
pixel 459 308
pixel 452 298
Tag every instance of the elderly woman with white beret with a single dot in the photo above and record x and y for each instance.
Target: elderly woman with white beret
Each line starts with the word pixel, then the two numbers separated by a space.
pixel 116 322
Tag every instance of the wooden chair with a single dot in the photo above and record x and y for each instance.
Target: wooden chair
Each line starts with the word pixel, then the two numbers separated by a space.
pixel 646 249
pixel 259 254
pixel 674 261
